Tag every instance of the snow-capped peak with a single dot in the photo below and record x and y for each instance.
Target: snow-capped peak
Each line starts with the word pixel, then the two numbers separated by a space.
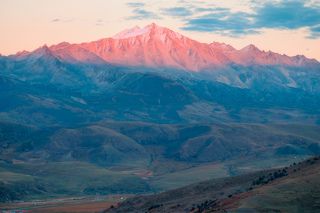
pixel 147 30
pixel 135 31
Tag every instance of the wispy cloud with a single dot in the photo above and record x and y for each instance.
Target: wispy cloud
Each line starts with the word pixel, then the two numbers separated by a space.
pixel 140 11
pixel 61 20
pixel 99 22
pixel 203 16
pixel 223 22
pixel 272 14
pixel 177 11
pixel 315 32
pixel 140 14
pixel 135 4
pixel 292 14
pixel 55 20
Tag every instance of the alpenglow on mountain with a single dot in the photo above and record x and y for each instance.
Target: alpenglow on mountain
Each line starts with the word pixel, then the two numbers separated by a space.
pixel 154 74
pixel 154 46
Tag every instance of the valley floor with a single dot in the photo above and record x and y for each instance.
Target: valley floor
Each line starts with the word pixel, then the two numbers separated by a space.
pixel 68 205
pixel 294 188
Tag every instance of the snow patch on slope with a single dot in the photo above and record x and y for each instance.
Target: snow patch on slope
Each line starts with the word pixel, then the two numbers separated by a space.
pixel 133 32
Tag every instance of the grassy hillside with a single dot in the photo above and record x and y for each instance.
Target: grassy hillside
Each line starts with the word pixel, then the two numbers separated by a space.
pixel 295 188
pixel 299 192
pixel 135 157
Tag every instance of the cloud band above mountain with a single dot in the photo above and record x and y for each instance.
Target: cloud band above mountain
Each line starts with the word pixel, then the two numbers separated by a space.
pixel 283 14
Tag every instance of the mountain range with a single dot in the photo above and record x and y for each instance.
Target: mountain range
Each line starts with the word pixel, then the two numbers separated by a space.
pixel 146 107
pixel 154 46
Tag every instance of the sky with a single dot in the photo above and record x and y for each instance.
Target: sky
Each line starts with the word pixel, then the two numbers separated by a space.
pixel 289 27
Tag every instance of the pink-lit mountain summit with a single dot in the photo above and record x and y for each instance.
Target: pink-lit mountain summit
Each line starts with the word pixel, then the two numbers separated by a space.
pixel 155 46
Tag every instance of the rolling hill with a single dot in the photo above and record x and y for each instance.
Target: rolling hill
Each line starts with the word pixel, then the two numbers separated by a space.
pixel 290 189
pixel 131 157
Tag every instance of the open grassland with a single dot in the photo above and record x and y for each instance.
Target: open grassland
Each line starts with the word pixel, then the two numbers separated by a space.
pixel 216 191
pixel 65 179
pixel 68 205
pixel 29 181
